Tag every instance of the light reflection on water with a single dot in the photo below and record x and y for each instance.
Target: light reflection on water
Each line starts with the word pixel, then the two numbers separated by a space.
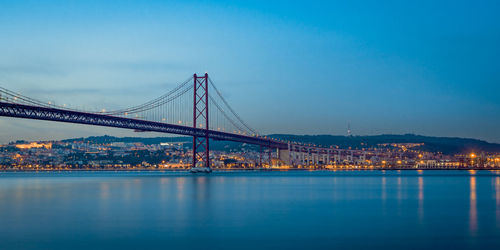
pixel 497 198
pixel 421 198
pixel 249 210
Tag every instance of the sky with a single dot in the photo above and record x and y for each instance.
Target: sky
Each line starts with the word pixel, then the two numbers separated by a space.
pixel 299 67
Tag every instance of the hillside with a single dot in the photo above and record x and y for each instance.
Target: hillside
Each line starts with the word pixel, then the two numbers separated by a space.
pixel 446 145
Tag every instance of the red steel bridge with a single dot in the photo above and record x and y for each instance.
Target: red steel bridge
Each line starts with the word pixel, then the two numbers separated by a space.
pixel 183 111
pixel 194 108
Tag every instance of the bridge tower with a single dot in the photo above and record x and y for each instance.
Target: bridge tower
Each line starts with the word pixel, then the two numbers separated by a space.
pixel 201 149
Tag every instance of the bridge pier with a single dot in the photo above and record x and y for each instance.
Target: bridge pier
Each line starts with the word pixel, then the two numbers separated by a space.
pixel 303 158
pixel 269 155
pixel 328 151
pixel 284 155
pixel 201 145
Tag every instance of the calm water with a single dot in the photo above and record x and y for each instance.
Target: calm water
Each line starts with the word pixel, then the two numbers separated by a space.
pixel 250 210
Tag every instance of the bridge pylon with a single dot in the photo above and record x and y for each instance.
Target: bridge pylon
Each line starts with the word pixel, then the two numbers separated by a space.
pixel 201 148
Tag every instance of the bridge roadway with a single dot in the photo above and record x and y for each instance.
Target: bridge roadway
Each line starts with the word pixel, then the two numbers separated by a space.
pixel 62 115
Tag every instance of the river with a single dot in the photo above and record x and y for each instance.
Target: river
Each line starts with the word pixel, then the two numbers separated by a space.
pixel 250 210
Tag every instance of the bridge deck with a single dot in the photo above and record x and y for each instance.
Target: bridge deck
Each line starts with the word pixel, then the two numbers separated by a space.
pixel 61 115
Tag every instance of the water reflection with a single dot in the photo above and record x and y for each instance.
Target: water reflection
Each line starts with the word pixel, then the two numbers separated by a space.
pixel 421 199
pixel 280 208
pixel 399 194
pixel 103 204
pixel 201 189
pixel 384 195
pixel 180 181
pixel 473 205
pixel 399 189
pixel 104 191
pixel 164 185
pixel 127 191
pixel 384 191
pixel 497 199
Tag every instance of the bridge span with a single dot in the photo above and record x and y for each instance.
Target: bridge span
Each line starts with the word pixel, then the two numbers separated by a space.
pixel 61 115
pixel 182 111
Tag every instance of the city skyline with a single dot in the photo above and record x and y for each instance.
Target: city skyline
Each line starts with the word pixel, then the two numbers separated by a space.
pixel 284 68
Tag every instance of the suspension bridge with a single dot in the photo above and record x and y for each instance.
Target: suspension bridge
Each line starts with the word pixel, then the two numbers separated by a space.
pixel 193 108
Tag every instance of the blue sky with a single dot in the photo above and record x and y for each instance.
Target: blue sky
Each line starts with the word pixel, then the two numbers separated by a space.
pixel 302 67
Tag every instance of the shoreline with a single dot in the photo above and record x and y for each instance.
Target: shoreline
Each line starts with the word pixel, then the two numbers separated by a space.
pixel 249 170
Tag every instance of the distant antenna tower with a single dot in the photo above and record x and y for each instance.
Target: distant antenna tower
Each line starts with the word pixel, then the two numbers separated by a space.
pixel 349 129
